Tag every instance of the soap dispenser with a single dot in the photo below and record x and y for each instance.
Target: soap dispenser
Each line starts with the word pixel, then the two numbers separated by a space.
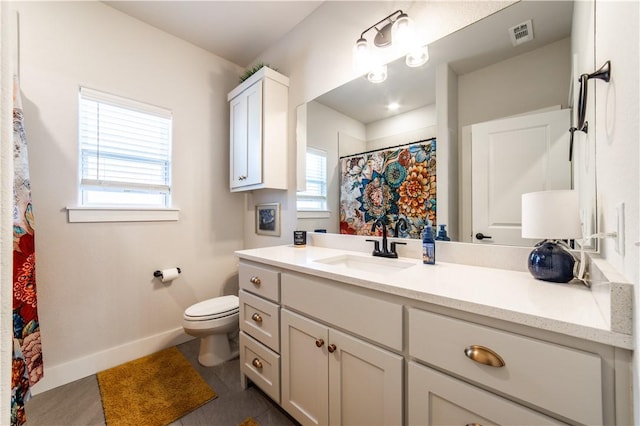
pixel 442 234
pixel 428 245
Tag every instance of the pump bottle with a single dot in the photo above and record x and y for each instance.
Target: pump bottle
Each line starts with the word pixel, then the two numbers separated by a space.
pixel 428 245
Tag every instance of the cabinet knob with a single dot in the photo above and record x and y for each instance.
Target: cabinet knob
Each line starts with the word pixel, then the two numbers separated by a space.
pixel 319 343
pixel 331 348
pixel 254 280
pixel 256 363
pixel 256 317
pixel 483 355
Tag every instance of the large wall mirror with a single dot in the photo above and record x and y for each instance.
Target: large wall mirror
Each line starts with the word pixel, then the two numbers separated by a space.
pixel 478 82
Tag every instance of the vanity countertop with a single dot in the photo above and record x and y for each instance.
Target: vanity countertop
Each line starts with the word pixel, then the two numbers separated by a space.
pixel 513 296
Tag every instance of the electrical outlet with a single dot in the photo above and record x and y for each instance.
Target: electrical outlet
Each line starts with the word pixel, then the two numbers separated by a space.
pixel 620 228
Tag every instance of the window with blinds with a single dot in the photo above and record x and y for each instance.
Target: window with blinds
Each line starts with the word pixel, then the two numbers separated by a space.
pixel 314 198
pixel 125 152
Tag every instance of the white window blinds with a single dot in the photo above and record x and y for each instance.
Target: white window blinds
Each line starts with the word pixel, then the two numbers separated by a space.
pixel 314 198
pixel 125 151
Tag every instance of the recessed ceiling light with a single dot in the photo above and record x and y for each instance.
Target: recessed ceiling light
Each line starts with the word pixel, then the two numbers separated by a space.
pixel 393 106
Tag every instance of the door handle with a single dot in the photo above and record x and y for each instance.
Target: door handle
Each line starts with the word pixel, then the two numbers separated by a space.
pixel 481 236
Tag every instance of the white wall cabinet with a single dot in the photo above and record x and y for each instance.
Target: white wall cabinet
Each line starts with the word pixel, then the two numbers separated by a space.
pixel 329 377
pixel 258 132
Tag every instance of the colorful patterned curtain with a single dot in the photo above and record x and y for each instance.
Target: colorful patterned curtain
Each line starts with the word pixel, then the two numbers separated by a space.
pixel 389 184
pixel 27 349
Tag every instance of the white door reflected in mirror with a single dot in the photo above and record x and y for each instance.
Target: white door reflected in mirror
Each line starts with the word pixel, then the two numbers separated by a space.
pixel 510 157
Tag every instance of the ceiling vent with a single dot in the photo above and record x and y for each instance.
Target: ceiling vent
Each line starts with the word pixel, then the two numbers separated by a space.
pixel 521 33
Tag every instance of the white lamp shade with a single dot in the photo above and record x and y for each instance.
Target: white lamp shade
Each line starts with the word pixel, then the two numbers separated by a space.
pixel 551 215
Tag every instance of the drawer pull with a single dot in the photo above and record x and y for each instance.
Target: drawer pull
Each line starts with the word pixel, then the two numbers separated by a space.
pixel 331 348
pixel 257 363
pixel 256 317
pixel 484 356
pixel 474 424
pixel 254 280
pixel 319 343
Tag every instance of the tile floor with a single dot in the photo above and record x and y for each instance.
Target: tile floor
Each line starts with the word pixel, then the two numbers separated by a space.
pixel 79 403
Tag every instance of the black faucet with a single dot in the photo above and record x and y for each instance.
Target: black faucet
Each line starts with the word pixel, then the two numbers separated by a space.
pixel 377 223
pixel 401 225
pixel 384 252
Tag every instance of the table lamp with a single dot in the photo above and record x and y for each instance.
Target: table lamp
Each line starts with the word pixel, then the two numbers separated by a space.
pixel 552 216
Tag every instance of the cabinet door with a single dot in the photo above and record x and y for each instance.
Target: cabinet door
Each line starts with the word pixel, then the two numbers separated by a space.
pixel 365 383
pixel 437 399
pixel 304 369
pixel 246 137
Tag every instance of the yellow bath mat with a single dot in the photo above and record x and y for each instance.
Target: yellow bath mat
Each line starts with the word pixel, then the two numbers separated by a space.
pixel 249 421
pixel 153 390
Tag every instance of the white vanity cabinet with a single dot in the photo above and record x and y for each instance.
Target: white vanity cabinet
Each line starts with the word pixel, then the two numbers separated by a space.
pixel 260 327
pixel 258 132
pixel 355 348
pixel 563 381
pixel 328 376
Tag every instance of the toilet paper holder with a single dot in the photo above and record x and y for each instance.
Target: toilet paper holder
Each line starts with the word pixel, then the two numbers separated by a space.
pixel 158 273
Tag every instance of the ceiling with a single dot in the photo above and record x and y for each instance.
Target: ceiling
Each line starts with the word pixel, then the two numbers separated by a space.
pixel 238 31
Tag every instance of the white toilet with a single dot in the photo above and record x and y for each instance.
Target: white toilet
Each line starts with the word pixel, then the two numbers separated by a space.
pixel 213 320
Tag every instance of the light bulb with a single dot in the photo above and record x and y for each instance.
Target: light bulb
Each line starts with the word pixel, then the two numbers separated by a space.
pixel 378 73
pixel 402 33
pixel 362 56
pixel 417 56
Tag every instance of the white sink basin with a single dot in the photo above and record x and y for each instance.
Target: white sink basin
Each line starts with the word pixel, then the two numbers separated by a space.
pixel 371 264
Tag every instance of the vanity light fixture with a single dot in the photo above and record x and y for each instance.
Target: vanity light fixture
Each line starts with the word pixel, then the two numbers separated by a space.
pixel 554 218
pixel 395 30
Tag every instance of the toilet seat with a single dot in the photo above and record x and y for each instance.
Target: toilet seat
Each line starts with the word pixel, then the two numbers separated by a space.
pixel 218 307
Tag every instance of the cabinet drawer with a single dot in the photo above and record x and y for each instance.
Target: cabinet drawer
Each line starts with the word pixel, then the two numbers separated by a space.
pixel 261 365
pixel 371 317
pixel 260 280
pixel 438 399
pixel 559 379
pixel 259 318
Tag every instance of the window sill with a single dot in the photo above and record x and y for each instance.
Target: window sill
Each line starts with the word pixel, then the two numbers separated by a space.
pixel 314 214
pixel 117 214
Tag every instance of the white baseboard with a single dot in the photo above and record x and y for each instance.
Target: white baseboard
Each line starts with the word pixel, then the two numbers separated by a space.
pixel 61 374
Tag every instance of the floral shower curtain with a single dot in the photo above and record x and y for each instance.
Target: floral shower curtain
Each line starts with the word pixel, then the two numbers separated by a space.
pixel 389 184
pixel 27 366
